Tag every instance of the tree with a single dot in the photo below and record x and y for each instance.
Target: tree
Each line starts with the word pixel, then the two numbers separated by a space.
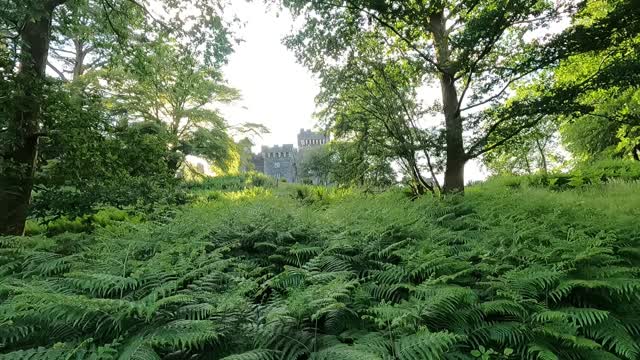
pixel 474 50
pixel 246 155
pixel 165 83
pixel 591 90
pixel 354 165
pixel 532 151
pixel 87 36
pixel 373 100
pixel 317 164
pixel 27 31
pixel 30 22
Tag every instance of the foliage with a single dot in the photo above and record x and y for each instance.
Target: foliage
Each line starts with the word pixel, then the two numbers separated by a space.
pixel 166 84
pixel 353 165
pixel 524 274
pixel 593 92
pixel 612 130
pixel 87 162
pixel 596 173
pixel 533 151
pixel 373 105
pixel 230 182
pixel 177 48
pixel 472 51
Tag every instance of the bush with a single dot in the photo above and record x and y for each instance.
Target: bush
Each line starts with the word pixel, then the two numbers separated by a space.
pixel 598 172
pixel 83 224
pixel 522 274
pixel 230 182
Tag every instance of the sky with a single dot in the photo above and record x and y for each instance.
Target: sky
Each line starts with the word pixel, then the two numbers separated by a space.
pixel 276 90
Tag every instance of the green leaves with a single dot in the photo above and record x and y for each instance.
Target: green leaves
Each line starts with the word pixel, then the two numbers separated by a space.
pixel 252 275
pixel 426 345
pixel 486 354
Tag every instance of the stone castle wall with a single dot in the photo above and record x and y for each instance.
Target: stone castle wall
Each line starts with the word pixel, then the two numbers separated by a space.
pixel 285 161
pixel 280 162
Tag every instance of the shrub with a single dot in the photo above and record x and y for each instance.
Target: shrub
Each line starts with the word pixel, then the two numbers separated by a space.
pixel 598 172
pixel 83 224
pixel 521 274
pixel 230 182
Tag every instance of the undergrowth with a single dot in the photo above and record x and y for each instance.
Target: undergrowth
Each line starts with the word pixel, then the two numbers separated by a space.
pixel 519 274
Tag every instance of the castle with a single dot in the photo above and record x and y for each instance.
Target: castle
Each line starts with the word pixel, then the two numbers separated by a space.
pixel 285 161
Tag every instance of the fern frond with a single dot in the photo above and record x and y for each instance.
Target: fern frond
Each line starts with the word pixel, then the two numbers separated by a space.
pixel 181 334
pixel 345 352
pixel 426 345
pixel 257 354
pixel 101 285
pixel 613 335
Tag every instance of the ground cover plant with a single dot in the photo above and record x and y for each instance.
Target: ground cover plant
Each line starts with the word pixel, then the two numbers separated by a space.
pixel 523 273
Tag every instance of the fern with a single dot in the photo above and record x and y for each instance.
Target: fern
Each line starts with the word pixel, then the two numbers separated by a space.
pixel 425 345
pixel 259 276
pixel 258 354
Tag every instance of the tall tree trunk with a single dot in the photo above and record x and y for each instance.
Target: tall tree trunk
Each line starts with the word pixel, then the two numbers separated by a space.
pixel 543 157
pixel 526 161
pixel 78 63
pixel 16 178
pixel 456 156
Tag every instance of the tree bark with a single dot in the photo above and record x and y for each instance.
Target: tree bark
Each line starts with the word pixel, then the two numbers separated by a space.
pixel 19 157
pixel 543 157
pixel 78 63
pixel 456 156
pixel 526 161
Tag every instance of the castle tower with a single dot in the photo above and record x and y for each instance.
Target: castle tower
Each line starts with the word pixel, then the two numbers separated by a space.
pixel 280 162
pixel 308 142
pixel 309 139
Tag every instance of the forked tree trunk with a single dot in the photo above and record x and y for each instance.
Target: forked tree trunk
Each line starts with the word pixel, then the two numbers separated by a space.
pixel 456 156
pixel 19 156
pixel 543 157
pixel 78 63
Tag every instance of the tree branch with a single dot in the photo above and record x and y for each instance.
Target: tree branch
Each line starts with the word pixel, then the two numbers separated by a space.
pixel 491 98
pixel 510 136
pixel 57 71
pixel 385 24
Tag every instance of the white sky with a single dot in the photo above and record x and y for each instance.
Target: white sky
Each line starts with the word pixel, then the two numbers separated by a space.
pixel 276 91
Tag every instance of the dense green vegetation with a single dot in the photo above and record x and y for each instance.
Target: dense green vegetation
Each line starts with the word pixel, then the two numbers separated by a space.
pixel 300 272
pixel 116 244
